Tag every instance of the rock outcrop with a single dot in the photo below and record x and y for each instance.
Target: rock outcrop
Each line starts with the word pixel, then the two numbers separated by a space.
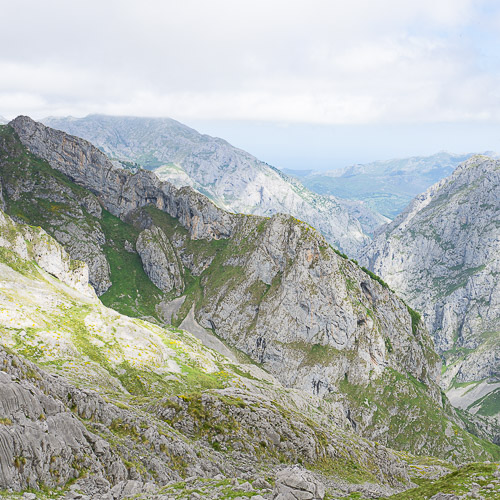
pixel 118 190
pixel 296 483
pixel 160 260
pixel 311 281
pixel 271 287
pixel 442 255
pixel 34 244
pixel 30 193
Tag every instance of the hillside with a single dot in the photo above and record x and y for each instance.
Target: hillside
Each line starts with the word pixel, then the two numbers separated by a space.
pixel 232 178
pixel 102 403
pixel 442 255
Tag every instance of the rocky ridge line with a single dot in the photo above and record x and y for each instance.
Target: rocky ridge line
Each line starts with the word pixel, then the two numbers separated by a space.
pixel 232 178
pixel 274 289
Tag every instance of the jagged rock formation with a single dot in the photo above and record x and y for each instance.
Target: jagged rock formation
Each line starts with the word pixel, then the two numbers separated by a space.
pixel 34 244
pixel 72 216
pixel 160 260
pixel 442 255
pixel 232 178
pixel 119 191
pixel 273 288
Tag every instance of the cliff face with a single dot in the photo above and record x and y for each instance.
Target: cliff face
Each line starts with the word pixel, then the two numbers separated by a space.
pixel 270 287
pixel 232 178
pixel 442 255
pixel 28 243
pixel 119 191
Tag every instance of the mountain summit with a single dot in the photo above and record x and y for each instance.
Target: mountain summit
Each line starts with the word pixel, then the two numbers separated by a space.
pixel 238 355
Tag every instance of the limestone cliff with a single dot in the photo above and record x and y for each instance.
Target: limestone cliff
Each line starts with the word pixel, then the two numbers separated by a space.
pixel 270 287
pixel 257 264
pixel 98 404
pixel 442 254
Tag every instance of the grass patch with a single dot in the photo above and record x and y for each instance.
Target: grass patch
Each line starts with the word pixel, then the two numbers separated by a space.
pixel 415 319
pixel 418 426
pixel 457 483
pixel 489 405
pixel 373 276
pixel 132 292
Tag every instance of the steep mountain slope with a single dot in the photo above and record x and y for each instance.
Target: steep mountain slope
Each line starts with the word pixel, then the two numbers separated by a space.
pixel 113 407
pixel 273 288
pixel 119 406
pixel 232 178
pixel 442 254
pixel 385 186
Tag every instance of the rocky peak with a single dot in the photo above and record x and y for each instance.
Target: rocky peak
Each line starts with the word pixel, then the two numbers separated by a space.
pixel 442 255
pixel 232 178
pixel 120 191
pixel 270 288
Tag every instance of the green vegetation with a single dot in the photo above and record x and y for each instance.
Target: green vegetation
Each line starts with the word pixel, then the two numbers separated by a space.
pixel 338 252
pixel 132 292
pixel 417 424
pixel 316 354
pixel 449 284
pixel 489 405
pixel 457 483
pixel 415 319
pixel 15 262
pixel 388 345
pixel 373 276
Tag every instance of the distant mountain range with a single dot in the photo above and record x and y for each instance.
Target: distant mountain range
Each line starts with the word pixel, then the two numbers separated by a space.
pixel 232 178
pixel 385 186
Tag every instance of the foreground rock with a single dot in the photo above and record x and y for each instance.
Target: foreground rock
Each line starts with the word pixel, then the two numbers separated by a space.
pixel 297 483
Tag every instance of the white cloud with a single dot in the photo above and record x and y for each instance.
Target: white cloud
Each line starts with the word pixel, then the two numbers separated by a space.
pixel 317 61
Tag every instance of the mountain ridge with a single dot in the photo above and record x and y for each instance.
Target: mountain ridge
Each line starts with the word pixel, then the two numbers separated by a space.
pixel 232 178
pixel 348 330
pixel 347 360
pixel 386 185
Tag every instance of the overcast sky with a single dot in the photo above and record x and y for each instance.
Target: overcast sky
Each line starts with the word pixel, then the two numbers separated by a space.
pixel 266 67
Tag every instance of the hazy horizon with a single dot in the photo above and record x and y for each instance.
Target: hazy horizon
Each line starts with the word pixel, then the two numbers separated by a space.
pixel 329 147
